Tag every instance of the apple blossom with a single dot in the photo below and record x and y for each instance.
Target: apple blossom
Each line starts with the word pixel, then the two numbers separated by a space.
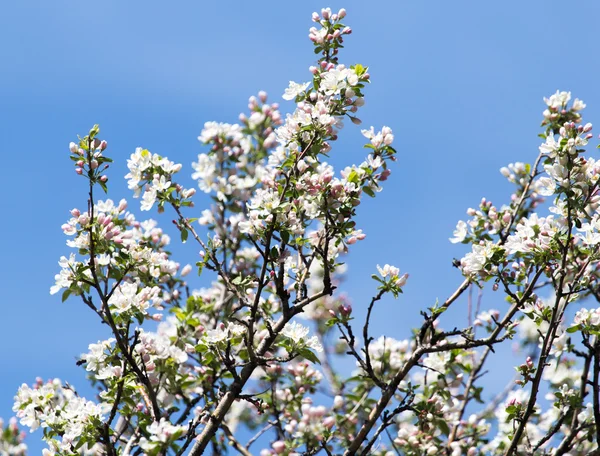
pixel 184 368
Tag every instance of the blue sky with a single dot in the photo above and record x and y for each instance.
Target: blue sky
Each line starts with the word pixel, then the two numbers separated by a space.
pixel 460 83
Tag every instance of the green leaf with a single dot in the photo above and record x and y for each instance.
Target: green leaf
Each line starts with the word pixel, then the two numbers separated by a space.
pixel 369 192
pixel 94 131
pixel 352 177
pixel 443 426
pixel 359 69
pixel 309 355
pixel 66 295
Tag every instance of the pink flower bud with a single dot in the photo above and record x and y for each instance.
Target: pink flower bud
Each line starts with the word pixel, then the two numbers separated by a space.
pixel 342 13
pixel 384 175
pixel 338 402
pixel 345 309
pixel 73 147
pixel 329 422
pixel 186 270
pixel 402 280
pixel 278 446
pixel 188 193
pixel 104 178
pixel 79 171
pixel 75 212
pixel 103 145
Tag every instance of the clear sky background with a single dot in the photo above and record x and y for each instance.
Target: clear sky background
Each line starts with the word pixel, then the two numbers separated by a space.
pixel 460 83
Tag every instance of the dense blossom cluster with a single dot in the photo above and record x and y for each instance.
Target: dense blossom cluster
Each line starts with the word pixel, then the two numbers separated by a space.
pixel 260 348
pixel 12 439
pixel 154 173
pixel 61 412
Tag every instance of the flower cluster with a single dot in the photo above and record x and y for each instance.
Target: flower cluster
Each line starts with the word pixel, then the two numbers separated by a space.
pixel 11 439
pixel 88 155
pixel 184 368
pixel 154 174
pixel 391 280
pixel 160 434
pixel 298 334
pixel 587 321
pixel 61 412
